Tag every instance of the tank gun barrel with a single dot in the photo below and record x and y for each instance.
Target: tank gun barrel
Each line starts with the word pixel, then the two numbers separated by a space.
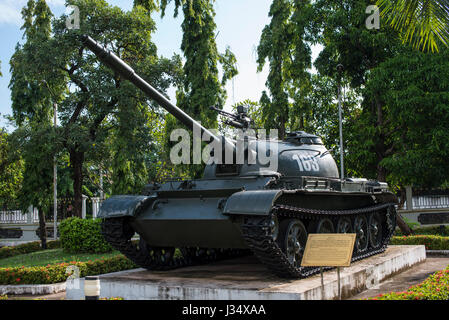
pixel 123 69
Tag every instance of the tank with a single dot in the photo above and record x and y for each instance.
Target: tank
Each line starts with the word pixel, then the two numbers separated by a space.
pixel 245 207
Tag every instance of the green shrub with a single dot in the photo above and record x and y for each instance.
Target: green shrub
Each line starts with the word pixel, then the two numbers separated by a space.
pixel 29 247
pixel 431 242
pixel 82 236
pixel 54 273
pixel 432 230
pixel 435 287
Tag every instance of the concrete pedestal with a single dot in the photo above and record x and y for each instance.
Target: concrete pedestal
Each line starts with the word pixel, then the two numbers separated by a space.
pixel 246 278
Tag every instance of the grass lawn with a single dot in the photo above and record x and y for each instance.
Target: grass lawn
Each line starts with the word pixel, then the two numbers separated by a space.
pixel 51 256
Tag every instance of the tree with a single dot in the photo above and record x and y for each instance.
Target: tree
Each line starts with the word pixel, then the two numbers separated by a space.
pixel 416 104
pixel 348 42
pixel 201 86
pixel 285 44
pixel 422 23
pixel 32 104
pixel 383 140
pixel 90 95
pixel 11 172
pixel 275 45
pixel 36 142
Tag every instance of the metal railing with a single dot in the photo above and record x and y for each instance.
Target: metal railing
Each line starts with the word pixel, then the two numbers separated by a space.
pixel 64 210
pixel 430 202
pixel 19 217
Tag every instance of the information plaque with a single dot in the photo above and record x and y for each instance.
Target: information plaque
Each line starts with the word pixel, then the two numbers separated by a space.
pixel 328 250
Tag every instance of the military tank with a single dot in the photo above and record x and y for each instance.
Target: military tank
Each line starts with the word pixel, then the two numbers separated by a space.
pixel 248 207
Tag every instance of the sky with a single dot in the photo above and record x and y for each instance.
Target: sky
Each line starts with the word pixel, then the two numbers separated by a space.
pixel 239 26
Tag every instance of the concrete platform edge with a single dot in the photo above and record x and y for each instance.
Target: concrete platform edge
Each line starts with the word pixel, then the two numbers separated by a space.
pixel 360 276
pixel 33 289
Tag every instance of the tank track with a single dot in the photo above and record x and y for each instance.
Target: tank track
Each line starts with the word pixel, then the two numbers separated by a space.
pixel 118 233
pixel 257 232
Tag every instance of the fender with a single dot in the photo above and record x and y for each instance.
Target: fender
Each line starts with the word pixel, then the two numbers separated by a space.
pixel 124 206
pixel 254 202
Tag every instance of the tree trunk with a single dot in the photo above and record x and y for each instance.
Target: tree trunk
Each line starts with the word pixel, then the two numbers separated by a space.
pixel 42 229
pixel 381 154
pixel 403 226
pixel 77 160
pixel 402 197
pixel 381 173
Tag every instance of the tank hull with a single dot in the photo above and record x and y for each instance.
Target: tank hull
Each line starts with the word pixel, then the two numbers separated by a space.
pixel 189 222
pixel 195 222
pixel 202 222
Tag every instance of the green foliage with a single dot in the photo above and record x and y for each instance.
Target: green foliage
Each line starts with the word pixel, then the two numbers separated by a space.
pixel 431 242
pixel 392 126
pixel 422 23
pixel 51 256
pixel 276 45
pixel 55 273
pixel 29 247
pixel 11 171
pixel 99 112
pixel 82 235
pixel 37 144
pixel 437 231
pixel 416 106
pixel 200 87
pixel 435 287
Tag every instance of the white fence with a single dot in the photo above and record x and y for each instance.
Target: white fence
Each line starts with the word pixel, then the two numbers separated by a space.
pixel 19 217
pixel 32 216
pixel 430 202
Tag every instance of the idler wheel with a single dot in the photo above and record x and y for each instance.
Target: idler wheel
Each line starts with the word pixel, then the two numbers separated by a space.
pixel 274 227
pixel 292 240
pixel 344 225
pixel 375 230
pixel 361 229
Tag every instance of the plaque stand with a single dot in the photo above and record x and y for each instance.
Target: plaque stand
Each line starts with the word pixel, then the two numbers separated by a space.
pixel 329 250
pixel 338 280
pixel 338 276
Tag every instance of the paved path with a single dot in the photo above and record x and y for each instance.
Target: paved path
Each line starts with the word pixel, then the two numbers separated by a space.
pixel 406 279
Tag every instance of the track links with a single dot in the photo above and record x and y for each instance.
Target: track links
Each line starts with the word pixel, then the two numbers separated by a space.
pixel 118 233
pixel 257 234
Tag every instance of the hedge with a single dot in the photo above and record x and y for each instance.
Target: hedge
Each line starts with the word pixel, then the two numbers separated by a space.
pixel 441 230
pixel 57 272
pixel 82 236
pixel 435 287
pixel 431 242
pixel 6 252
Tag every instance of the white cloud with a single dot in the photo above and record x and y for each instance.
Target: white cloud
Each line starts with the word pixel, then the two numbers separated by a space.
pixel 56 3
pixel 10 10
